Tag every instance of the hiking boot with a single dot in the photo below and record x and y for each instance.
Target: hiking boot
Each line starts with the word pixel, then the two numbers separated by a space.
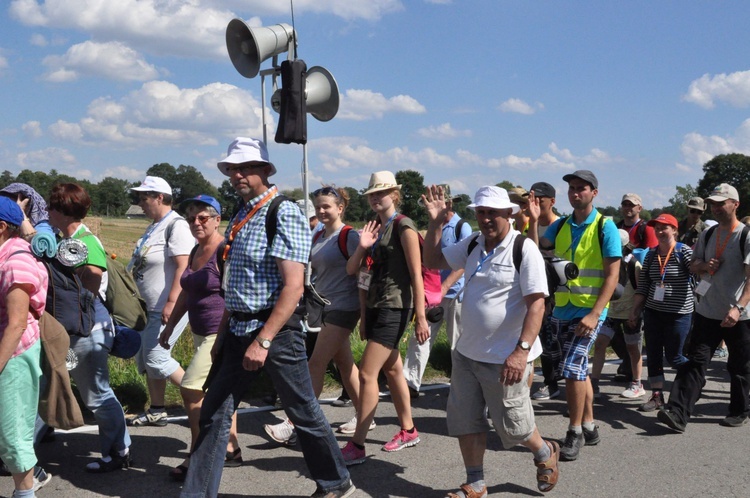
pixel 156 419
pixel 544 393
pixel 669 418
pixel 591 437
pixel 342 492
pixel 282 433
pixel 655 402
pixel 402 440
pixel 116 462
pixel 734 421
pixel 353 455
pixel 635 390
pixel 351 426
pixel 41 478
pixel 572 445
pixel 342 402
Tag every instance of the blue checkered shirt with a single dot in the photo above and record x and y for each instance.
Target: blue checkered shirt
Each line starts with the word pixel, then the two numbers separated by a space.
pixel 253 280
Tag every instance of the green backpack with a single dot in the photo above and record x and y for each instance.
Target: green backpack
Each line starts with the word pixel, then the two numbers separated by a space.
pixel 124 302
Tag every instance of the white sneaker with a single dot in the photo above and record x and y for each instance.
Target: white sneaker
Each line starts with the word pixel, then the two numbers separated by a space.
pixel 351 426
pixel 282 432
pixel 635 390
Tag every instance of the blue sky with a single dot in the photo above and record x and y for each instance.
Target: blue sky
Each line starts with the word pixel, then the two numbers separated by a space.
pixel 466 92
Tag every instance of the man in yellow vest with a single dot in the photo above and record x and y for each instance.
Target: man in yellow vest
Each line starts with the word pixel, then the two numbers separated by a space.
pixel 593 244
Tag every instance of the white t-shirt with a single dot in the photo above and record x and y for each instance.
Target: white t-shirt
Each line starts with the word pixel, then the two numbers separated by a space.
pixel 153 261
pixel 493 302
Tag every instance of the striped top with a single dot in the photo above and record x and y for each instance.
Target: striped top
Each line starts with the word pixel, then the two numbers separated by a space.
pixel 678 289
pixel 22 269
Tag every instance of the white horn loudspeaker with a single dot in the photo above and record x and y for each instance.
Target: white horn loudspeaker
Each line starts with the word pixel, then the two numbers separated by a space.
pixel 249 47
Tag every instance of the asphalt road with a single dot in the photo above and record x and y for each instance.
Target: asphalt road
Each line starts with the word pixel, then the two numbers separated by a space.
pixel 636 457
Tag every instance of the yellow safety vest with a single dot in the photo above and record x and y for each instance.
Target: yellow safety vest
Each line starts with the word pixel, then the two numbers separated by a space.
pixel 584 290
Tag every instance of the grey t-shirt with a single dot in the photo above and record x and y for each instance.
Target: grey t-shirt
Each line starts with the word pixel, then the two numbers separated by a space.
pixel 329 271
pixel 728 281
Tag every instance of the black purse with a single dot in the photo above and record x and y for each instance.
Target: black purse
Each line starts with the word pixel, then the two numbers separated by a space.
pixel 314 304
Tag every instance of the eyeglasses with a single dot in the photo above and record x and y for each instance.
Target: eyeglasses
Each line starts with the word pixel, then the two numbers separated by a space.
pixel 326 191
pixel 696 211
pixel 202 219
pixel 243 169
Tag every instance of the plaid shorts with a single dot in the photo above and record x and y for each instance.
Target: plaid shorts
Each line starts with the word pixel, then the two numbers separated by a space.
pixel 575 350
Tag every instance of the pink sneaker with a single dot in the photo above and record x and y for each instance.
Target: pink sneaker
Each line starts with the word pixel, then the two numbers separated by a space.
pixel 352 454
pixel 402 440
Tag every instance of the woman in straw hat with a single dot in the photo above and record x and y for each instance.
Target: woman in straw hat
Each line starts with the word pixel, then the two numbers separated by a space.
pixel 389 269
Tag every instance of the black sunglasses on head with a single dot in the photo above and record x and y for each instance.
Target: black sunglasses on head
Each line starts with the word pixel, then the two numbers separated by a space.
pixel 326 191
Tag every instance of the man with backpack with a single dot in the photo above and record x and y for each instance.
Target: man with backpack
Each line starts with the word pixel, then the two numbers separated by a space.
pixel 641 235
pixel 721 259
pixel 454 230
pixel 691 227
pixel 503 304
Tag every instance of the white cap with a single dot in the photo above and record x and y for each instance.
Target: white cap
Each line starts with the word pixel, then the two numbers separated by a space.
pixel 154 184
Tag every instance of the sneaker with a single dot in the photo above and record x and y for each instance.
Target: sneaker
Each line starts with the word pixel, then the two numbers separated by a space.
pixel 402 440
pixel 341 402
pixel 635 390
pixel 41 478
pixel 342 492
pixel 544 393
pixel 721 353
pixel 572 445
pixel 282 433
pixel 591 437
pixel 669 418
pixel 734 421
pixel 353 455
pixel 655 402
pixel 351 426
pixel 156 419
pixel 116 462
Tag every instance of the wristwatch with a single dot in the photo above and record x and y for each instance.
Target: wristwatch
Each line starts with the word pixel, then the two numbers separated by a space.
pixel 524 345
pixel 740 308
pixel 264 343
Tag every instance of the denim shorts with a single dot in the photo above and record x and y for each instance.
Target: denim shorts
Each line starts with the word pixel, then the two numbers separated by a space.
pixel 575 350
pixel 386 326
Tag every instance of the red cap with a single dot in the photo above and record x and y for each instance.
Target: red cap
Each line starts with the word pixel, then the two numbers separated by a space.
pixel 665 219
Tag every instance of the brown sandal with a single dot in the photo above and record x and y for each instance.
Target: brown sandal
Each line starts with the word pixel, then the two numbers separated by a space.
pixel 468 492
pixel 545 480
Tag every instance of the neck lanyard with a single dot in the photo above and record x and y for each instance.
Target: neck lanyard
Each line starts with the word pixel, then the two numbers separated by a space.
pixel 633 227
pixel 380 235
pixel 663 265
pixel 150 230
pixel 236 227
pixel 720 248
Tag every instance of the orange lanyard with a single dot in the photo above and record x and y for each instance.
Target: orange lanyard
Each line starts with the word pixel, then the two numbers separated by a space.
pixel 238 226
pixel 720 248
pixel 663 266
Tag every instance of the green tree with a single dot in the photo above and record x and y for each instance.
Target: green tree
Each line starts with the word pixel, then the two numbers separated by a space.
pixel 228 199
pixel 294 194
pixel 678 202
pixel 506 185
pixel 189 182
pixel 733 169
pixel 165 171
pixel 460 207
pixel 38 180
pixel 112 198
pixel 6 179
pixel 357 210
pixel 412 188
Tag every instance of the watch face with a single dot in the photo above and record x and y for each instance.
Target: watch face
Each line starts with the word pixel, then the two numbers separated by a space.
pixel 524 345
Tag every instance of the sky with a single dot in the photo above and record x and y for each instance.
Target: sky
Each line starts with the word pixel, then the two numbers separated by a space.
pixel 468 93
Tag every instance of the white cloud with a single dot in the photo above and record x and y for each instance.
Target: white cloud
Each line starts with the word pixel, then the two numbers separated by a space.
pixel 111 60
pixel 162 113
pixel 595 156
pixel 360 105
pixel 46 159
pixel 38 40
pixel 32 129
pixel 520 107
pixel 439 2
pixel 443 132
pixel 698 149
pixel 3 62
pixel 733 89
pixel 124 172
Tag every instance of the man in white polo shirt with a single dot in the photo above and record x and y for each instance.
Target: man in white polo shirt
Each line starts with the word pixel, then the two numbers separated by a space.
pixel 503 304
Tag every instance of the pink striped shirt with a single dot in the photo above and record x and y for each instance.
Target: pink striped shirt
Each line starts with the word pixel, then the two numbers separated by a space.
pixel 26 270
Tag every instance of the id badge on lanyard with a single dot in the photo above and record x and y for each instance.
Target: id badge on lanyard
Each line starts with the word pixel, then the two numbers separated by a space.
pixel 364 278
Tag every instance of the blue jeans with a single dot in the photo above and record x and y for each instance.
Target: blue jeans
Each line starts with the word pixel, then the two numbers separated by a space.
pixel 286 364
pixel 91 376
pixel 665 334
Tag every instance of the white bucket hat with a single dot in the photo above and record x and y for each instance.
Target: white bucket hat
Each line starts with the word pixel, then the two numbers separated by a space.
pixel 382 180
pixel 246 150
pixel 493 197
pixel 154 184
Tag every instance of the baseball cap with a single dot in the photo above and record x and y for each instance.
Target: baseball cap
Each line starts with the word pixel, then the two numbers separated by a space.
pixel 543 189
pixel 722 192
pixel 634 198
pixel 493 197
pixel 307 208
pixel 245 150
pixel 446 194
pixel 204 199
pixel 696 203
pixel 664 219
pixel 585 175
pixel 624 237
pixel 518 195
pixel 10 212
pixel 154 184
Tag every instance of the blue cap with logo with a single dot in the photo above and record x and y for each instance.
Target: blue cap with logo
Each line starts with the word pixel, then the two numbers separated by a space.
pixel 204 199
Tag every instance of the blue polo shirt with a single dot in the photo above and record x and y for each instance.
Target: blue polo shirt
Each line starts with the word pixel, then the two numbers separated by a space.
pixel 611 248
pixel 447 239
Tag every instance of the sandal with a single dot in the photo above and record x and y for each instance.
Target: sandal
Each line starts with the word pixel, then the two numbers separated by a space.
pixel 548 472
pixel 233 458
pixel 178 473
pixel 466 491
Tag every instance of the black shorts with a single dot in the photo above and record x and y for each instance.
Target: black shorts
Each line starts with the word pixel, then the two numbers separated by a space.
pixel 344 319
pixel 386 326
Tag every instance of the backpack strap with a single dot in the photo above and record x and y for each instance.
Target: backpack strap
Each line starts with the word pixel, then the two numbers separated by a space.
pixel 457 230
pixel 743 237
pixel 472 244
pixel 518 251
pixel 170 227
pixel 343 239
pixel 641 231
pixel 272 217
